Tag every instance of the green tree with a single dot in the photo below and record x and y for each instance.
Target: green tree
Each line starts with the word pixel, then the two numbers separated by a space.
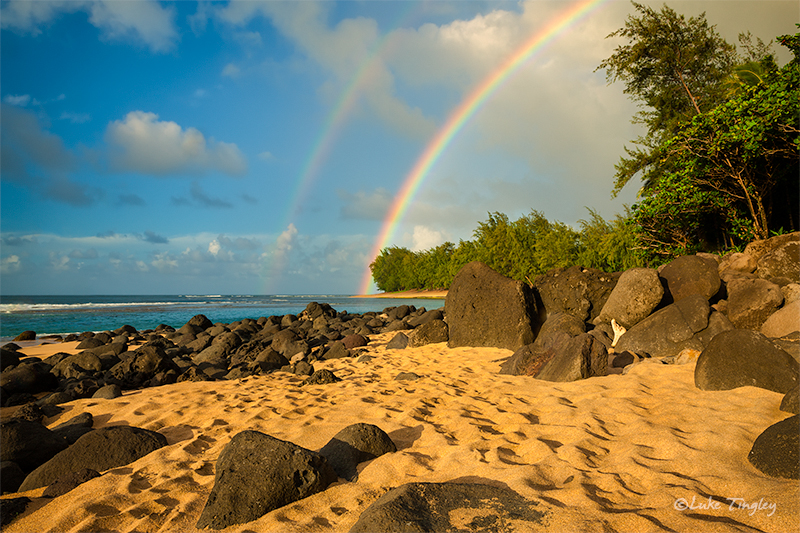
pixel 675 69
pixel 608 246
pixel 734 170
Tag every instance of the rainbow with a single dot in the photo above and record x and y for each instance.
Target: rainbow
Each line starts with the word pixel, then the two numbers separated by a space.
pixel 459 117
pixel 326 138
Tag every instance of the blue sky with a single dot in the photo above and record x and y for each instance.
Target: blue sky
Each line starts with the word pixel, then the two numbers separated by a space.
pixel 158 147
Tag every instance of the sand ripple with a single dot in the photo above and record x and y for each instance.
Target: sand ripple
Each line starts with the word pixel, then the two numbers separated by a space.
pixel 646 451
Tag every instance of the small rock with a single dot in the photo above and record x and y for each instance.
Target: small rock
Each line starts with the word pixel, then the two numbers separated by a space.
pixel 791 401
pixel 398 342
pixel 406 376
pixel 321 377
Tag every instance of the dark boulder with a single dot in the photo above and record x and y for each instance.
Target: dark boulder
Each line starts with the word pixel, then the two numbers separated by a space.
pixel 740 357
pixel 288 343
pixel 398 342
pixel 10 508
pixel 69 481
pixel 691 274
pixel 89 343
pixel 637 292
pixel 8 358
pixel 427 316
pixel 355 444
pixel 776 451
pixel 668 331
pixel 28 378
pixel 336 350
pixel 485 308
pixel 752 301
pixel 269 359
pixel 791 401
pixel 29 444
pixel 257 473
pixel 199 322
pixel 406 376
pixel 451 507
pixel 99 450
pixel 429 333
pixel 577 291
pixel 26 336
pixel 556 331
pixel 11 476
pixel 74 428
pixel 398 313
pixel 141 365
pixel 108 392
pixel 355 341
pixel 580 357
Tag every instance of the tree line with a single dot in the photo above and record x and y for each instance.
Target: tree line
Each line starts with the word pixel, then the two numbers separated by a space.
pixel 718 166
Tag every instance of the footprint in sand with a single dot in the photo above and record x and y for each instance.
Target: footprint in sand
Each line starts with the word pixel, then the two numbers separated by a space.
pixel 199 445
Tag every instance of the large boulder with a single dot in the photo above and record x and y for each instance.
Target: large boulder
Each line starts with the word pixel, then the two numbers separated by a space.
pixel 257 473
pixel 28 378
pixel 355 444
pixel 752 301
pixel 636 294
pixel 26 336
pixel 776 451
pixel 451 507
pixel 668 331
pixel 28 444
pixel 554 334
pixel 101 449
pixel 740 357
pixel 199 322
pixel 577 291
pixel 691 274
pixel 288 343
pixel 783 261
pixel 580 357
pixel 8 358
pixel 784 321
pixel 11 476
pixel 485 308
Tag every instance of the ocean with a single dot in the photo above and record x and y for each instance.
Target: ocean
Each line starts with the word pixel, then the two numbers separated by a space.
pixel 58 315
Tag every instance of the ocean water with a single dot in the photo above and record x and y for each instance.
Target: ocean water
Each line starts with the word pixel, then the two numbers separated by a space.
pixel 48 315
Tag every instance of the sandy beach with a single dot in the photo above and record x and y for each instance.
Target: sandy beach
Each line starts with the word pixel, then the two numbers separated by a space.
pixel 645 451
pixel 421 294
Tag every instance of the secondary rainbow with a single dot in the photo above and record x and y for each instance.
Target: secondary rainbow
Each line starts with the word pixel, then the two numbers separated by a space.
pixel 325 140
pixel 459 117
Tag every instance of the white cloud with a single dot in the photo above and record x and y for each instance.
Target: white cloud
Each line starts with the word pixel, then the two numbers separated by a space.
pixel 20 100
pixel 10 264
pixel 214 247
pixel 142 143
pixel 144 21
pixel 286 240
pixel 425 238
pixel 75 118
pixel 343 51
pixel 231 71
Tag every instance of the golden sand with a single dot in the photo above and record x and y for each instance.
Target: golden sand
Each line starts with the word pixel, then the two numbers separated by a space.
pixel 645 451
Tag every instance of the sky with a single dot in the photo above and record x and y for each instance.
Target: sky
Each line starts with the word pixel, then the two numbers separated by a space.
pixel 249 147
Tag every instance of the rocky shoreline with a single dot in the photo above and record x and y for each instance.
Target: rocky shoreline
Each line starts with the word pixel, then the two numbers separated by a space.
pixel 734 320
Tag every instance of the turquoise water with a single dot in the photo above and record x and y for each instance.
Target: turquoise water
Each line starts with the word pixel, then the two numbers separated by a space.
pixel 74 314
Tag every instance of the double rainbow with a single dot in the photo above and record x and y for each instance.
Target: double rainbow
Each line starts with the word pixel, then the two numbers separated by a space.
pixel 459 117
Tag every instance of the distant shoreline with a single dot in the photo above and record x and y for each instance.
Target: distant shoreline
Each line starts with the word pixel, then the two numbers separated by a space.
pixel 415 294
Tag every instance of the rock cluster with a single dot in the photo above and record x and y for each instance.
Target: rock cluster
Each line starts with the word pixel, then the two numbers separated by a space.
pixel 737 316
pixel 125 359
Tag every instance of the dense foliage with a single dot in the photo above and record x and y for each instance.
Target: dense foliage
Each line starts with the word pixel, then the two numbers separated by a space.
pixel 521 250
pixel 733 171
